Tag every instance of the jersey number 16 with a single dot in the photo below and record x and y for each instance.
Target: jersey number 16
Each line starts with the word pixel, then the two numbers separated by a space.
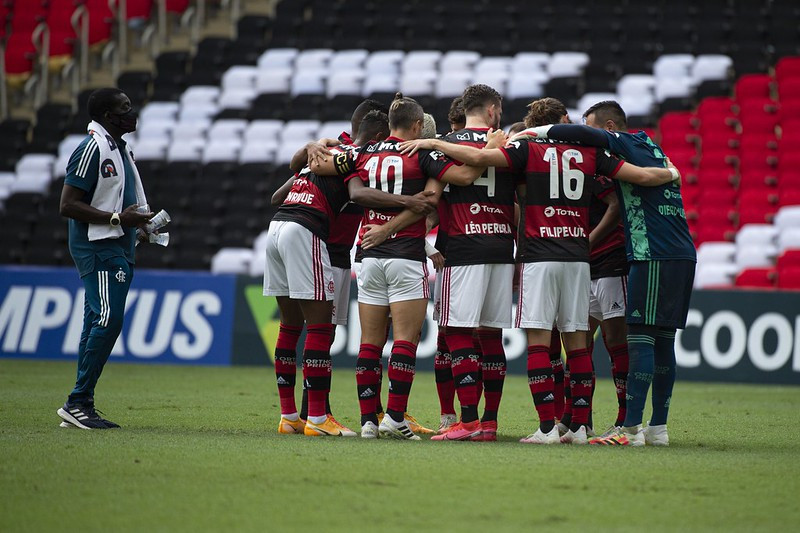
pixel 572 177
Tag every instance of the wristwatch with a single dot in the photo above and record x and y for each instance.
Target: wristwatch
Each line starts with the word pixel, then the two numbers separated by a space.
pixel 115 221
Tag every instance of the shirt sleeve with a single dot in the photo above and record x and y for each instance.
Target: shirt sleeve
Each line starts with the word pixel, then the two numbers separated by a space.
pixel 84 166
pixel 602 187
pixel 606 164
pixel 434 163
pixel 517 155
pixel 575 133
pixel 345 162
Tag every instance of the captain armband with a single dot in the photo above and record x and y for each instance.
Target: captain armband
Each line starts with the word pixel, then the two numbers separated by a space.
pixel 343 164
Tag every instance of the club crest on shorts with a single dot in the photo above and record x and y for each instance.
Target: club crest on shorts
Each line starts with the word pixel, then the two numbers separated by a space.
pixel 120 276
pixel 108 169
pixel 330 286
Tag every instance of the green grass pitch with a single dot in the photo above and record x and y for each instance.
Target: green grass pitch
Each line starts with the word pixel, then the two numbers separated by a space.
pixel 199 452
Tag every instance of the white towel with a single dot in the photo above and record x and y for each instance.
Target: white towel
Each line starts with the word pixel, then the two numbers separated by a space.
pixel 111 182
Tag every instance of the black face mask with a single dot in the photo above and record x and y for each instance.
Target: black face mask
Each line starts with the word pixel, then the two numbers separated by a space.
pixel 124 121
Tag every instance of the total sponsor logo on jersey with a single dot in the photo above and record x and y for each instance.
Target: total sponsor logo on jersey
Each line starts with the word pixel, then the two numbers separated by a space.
pixel 560 232
pixel 47 321
pixel 486 228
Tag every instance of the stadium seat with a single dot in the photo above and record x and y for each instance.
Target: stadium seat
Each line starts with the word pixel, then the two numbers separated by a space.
pixel 788 238
pixel 787 217
pixel 788 258
pixel 756 278
pixel 789 278
pixel 715 275
pixel 756 234
pixel 755 255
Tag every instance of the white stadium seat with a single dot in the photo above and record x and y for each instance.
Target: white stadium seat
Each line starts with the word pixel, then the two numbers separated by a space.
pixel 673 88
pixel 526 85
pixel 716 252
pixel 418 83
pixel 300 130
pixel 421 60
pixel 198 110
pixel 151 149
pixel 756 234
pixel 345 82
pixel 711 67
pixel 240 77
pixel 333 129
pixel 493 64
pixel 273 81
pixel 229 128
pixel 451 84
pixel 186 150
pixel 755 256
pixel 458 61
pixel 232 261
pixel 525 62
pixel 589 99
pixel 236 98
pixel 714 275
pixel 258 151
pixel 308 82
pixel 265 129
pixel 159 110
pixel 567 64
pixel 348 60
pixel 199 94
pixel 380 83
pixel 222 150
pixel 673 66
pixel 34 181
pixel 788 217
pixel 277 58
pixel 314 59
pixel 384 62
pixel 789 238
pixel 191 129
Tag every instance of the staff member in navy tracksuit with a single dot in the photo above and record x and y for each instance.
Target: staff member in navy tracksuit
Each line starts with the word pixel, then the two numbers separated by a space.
pixel 101 194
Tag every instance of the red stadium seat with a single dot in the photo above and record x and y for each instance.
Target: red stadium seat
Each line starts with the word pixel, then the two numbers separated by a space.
pixel 753 86
pixel 138 9
pixel 756 215
pixel 677 121
pixel 763 197
pixel 714 232
pixel 100 20
pixel 725 159
pixel 724 177
pixel 789 258
pixel 760 122
pixel 787 67
pixel 177 6
pixel 716 214
pixel 719 139
pixel 758 140
pixel 789 278
pixel 717 196
pixel 756 278
pixel 789 89
pixel 789 179
pixel 790 108
pixel 789 197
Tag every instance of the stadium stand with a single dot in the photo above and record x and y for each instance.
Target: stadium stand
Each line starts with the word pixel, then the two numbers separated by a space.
pixel 218 126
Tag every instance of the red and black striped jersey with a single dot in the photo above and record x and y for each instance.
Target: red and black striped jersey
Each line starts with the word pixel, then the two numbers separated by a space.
pixel 344 227
pixel 559 179
pixel 380 165
pixel 607 257
pixel 443 211
pixel 315 201
pixel 481 215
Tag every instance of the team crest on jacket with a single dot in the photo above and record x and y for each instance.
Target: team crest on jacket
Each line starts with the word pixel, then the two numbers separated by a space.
pixel 108 169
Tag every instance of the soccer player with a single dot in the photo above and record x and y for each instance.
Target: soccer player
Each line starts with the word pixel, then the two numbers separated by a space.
pixel 478 274
pixel 101 194
pixel 554 251
pixel 394 275
pixel 456 116
pixel 662 260
pixel 299 274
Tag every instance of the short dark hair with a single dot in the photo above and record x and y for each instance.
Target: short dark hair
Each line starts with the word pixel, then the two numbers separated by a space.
pixel 102 100
pixel 479 95
pixel 374 123
pixel 545 111
pixel 456 114
pixel 608 110
pixel 403 112
pixel 516 128
pixel 362 109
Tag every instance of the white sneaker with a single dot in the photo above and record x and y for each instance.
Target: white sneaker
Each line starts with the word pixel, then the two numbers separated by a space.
pixel 656 435
pixel 562 429
pixel 575 437
pixel 635 435
pixel 447 421
pixel 396 430
pixel 612 430
pixel 541 437
pixel 67 425
pixel 590 431
pixel 369 430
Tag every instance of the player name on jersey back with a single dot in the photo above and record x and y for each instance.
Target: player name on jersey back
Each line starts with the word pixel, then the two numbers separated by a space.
pixel 480 217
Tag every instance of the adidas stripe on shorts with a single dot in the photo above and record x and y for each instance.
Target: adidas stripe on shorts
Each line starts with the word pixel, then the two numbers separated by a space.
pixel 477 295
pixel 382 281
pixel 554 293
pixel 607 298
pixel 297 263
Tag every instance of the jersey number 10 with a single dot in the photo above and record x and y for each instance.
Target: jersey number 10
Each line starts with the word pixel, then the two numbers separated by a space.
pixel 572 177
pixel 390 162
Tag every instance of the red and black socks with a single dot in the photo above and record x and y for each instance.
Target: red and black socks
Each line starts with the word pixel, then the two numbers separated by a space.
pixel 368 377
pixel 466 369
pixel 494 371
pixel 619 371
pixel 286 366
pixel 558 374
pixel 402 367
pixel 580 382
pixel 443 372
pixel 317 369
pixel 540 381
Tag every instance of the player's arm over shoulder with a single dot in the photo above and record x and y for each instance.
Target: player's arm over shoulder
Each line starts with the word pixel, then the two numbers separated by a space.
pixel 612 167
pixel 341 164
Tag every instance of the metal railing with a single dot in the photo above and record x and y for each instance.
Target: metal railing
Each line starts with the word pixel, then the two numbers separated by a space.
pixel 80 24
pixel 3 87
pixel 40 85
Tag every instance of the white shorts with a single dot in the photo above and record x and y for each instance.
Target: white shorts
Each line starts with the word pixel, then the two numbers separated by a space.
pixel 437 296
pixel 297 263
pixel 341 298
pixel 607 298
pixel 554 293
pixel 385 280
pixel 477 295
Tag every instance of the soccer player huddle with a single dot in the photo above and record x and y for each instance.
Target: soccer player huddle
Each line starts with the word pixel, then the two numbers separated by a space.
pixel 552 212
